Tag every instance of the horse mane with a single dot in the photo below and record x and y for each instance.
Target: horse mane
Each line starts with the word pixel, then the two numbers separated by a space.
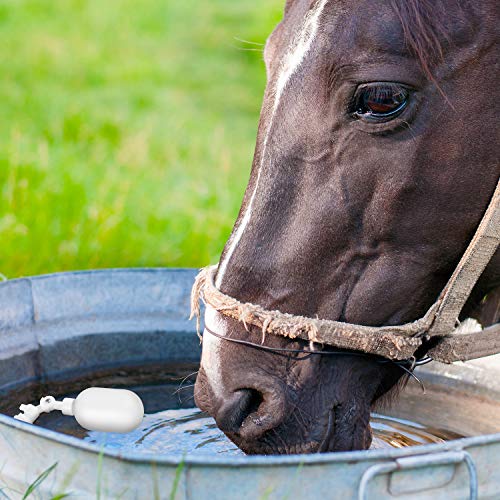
pixel 424 30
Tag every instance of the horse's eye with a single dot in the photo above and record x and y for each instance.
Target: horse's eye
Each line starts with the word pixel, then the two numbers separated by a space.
pixel 379 101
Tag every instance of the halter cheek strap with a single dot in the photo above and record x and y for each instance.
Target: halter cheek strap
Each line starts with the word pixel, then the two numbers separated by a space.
pixel 392 342
pixel 480 251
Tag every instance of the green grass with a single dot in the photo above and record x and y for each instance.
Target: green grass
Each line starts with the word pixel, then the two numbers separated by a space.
pixel 178 474
pixel 127 129
pixel 38 481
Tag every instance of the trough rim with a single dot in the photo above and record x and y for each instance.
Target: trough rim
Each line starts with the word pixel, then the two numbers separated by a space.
pixel 251 460
pixel 78 272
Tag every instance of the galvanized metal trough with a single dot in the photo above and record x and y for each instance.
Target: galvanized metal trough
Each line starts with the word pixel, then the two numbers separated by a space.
pixel 63 326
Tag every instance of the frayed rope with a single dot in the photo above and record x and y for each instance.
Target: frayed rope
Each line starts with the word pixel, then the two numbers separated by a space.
pixel 393 342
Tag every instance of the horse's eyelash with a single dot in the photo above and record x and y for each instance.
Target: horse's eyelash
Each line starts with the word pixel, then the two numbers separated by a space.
pixel 380 88
pixel 377 89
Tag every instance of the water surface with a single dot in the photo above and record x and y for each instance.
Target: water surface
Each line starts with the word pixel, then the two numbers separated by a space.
pixel 191 431
pixel 173 426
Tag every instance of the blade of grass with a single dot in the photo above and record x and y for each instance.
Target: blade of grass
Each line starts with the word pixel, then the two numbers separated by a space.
pixel 156 491
pixel 122 493
pixel 293 481
pixel 100 459
pixel 38 481
pixel 67 481
pixel 178 474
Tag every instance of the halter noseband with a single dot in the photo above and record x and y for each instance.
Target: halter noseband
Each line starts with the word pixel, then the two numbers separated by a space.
pixel 395 343
pixel 407 365
pixel 278 350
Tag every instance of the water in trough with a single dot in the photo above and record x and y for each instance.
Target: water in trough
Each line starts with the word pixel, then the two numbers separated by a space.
pixel 173 425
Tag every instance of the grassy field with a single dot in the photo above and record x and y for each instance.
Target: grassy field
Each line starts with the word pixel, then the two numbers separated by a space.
pixel 127 129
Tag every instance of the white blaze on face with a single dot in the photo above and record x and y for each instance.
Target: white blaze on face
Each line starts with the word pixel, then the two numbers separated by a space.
pixel 210 358
pixel 291 62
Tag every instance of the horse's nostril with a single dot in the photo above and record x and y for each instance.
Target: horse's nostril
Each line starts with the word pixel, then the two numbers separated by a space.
pixel 236 409
pixel 254 400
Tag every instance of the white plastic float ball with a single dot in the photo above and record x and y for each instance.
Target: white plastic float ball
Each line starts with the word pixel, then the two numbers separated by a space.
pixel 95 409
pixel 108 410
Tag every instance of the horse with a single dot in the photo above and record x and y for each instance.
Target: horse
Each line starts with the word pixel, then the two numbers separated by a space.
pixel 375 161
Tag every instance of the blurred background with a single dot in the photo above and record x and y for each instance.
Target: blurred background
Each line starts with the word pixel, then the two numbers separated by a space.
pixel 127 129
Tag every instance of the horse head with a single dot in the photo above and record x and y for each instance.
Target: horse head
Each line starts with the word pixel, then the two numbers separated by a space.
pixel 373 166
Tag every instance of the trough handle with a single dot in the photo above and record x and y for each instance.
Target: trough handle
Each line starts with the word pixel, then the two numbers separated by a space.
pixel 417 461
